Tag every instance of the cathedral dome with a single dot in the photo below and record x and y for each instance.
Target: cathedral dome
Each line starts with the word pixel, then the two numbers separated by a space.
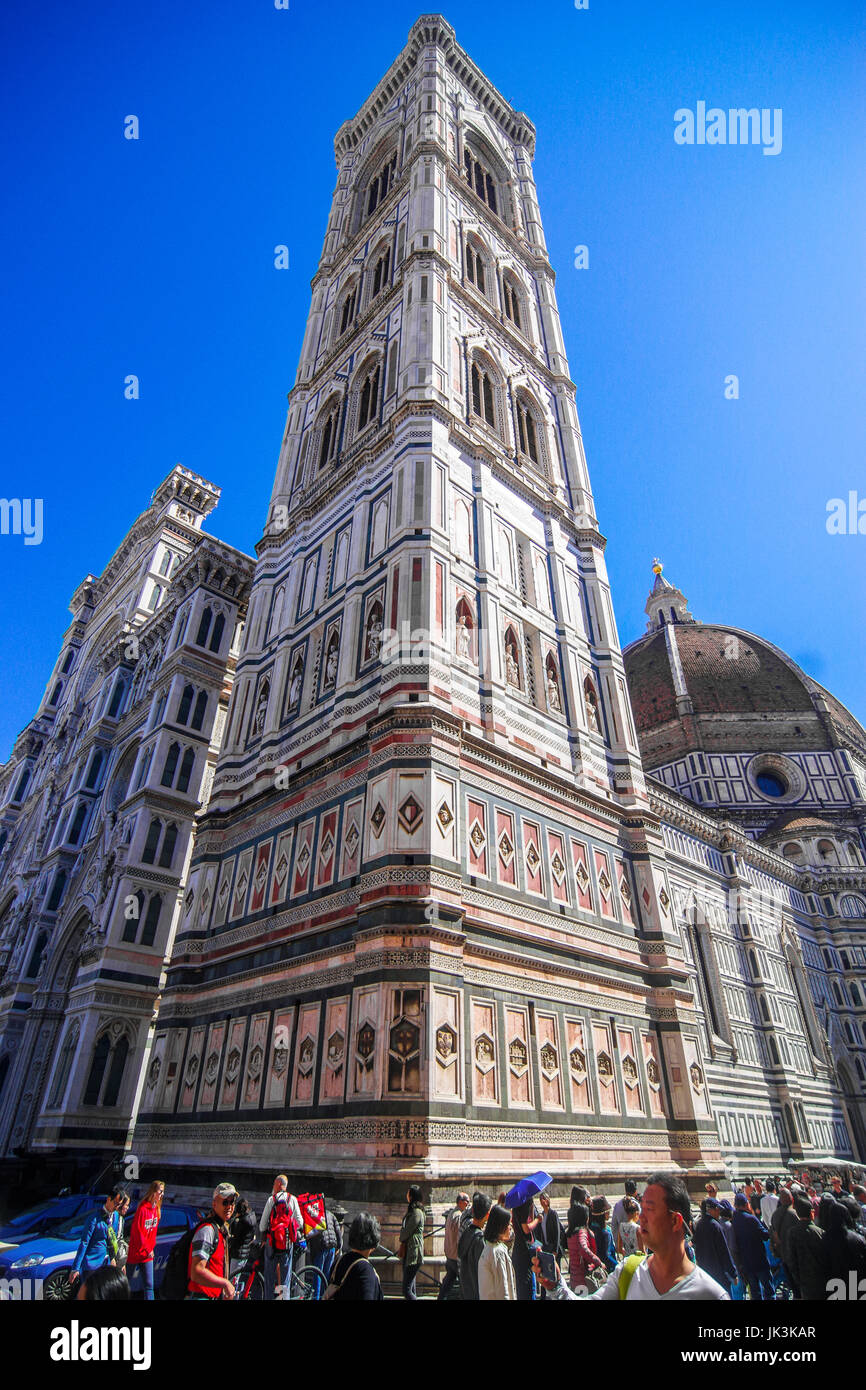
pixel 712 688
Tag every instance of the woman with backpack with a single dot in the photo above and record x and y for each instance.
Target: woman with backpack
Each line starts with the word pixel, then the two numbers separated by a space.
pixel 412 1241
pixel 142 1240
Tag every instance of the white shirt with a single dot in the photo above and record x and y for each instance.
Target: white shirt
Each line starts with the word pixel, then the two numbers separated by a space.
pixel 697 1285
pixel 769 1202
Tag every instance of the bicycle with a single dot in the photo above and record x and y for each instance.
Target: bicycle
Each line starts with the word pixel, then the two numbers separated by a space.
pixel 306 1285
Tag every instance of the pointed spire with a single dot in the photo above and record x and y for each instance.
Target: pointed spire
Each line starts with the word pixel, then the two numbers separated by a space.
pixel 666 603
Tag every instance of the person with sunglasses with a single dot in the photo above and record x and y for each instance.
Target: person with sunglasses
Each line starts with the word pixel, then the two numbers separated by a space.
pixel 208 1274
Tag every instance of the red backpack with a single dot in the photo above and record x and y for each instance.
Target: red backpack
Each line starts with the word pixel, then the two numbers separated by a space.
pixel 282 1226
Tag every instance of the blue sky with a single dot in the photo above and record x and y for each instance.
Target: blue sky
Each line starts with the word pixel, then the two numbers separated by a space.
pixel 155 257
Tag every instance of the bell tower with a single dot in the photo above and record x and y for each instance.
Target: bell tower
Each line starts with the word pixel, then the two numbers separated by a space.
pixel 428 927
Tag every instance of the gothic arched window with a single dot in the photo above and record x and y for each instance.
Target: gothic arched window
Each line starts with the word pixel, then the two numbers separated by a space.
pixel 368 397
pixel 56 891
pixel 106 1071
pixel 170 765
pixel 528 428
pixel 479 177
pixel 116 697
pixel 328 429
pixel 151 920
pixel 381 271
pixel 98 1064
pixel 77 823
pixel 168 844
pixel 483 391
pixel 200 708
pixel 36 955
pixel 185 705
pixel 347 312
pixel 476 266
pixel 204 628
pixel 186 767
pixel 512 658
pixel 67 1052
pixel 513 303
pixel 218 630
pixel 381 183
pixel 148 854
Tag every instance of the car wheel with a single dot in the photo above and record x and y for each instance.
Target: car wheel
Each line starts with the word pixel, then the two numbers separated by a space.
pixel 57 1287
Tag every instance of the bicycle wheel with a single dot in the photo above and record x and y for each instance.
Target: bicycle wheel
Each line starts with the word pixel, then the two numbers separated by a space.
pixel 309 1284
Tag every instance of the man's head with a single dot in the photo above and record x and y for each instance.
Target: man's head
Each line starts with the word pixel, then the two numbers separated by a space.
pixel 116 1199
pixel 364 1233
pixel 665 1212
pixel 749 1186
pixel 803 1207
pixel 630 1187
pixel 741 1202
pixel 785 1198
pixel 481 1205
pixel 281 1184
pixel 771 1186
pixel 712 1208
pixel 836 1183
pixel 225 1196
pixel 463 1201
pixel 860 1194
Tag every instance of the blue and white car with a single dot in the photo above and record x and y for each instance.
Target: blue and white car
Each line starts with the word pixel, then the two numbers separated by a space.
pixel 39 1220
pixel 40 1267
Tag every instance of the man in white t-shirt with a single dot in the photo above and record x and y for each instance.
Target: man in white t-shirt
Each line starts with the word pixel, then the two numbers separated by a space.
pixel 769 1202
pixel 666 1273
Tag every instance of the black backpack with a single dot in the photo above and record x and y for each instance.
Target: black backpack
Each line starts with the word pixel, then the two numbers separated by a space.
pixel 175 1277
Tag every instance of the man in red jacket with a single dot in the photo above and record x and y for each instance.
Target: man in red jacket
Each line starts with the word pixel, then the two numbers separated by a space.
pixel 209 1253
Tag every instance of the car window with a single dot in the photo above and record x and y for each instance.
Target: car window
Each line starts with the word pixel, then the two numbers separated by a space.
pixel 173 1221
pixel 34 1214
pixel 72 1226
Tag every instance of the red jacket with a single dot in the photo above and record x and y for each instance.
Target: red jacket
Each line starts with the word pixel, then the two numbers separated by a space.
pixel 142 1237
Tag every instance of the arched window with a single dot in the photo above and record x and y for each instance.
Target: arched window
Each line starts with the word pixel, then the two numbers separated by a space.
pixel 96 763
pixel 381 182
pixel 837 990
pixel 794 852
pixel 23 780
pixel 151 920
pixel 166 565
pixel 464 631
pixel 186 767
pixel 512 658
pixel 56 693
pixel 115 1072
pixel 218 630
pixel 827 851
pixel 185 705
pixel 529 428
pixel 368 397
pixel 854 856
pixel 56 894
pixel 97 1071
pixel 860 1072
pixel 77 823
pixel 328 431
pixel 168 845
pixel 148 854
pixel 513 302
pixel 774 1051
pixel 854 991
pixel 476 268
pixel 116 697
pixel 170 765
pixel 347 312
pixel 68 663
pixel 479 177
pixel 483 393
pixel 132 923
pixel 36 955
pixel 204 628
pixel 765 1012
pixel 183 623
pixel 852 906
pixel 381 271
pixel 64 1066
pixel 200 710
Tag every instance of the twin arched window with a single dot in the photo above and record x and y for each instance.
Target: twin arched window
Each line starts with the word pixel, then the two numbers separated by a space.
pixel 479 177
pixel 106 1071
pixel 185 707
pixel 483 391
pixel 381 183
pixel 368 396
pixel 476 266
pixel 157 842
pixel 328 428
pixel 527 430
pixel 347 313
pixel 513 302
pixel 204 630
pixel 170 772
pixel 146 916
pixel 380 272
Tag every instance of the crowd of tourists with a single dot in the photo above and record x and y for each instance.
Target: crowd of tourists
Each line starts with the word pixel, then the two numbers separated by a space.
pixel 780 1238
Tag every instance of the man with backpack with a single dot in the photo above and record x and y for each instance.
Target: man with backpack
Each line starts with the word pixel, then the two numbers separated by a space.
pixel 280 1228
pixel 208 1262
pixel 667 1273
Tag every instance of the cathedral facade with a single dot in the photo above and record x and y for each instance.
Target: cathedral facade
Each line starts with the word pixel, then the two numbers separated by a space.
pixel 98 805
pixel 473 892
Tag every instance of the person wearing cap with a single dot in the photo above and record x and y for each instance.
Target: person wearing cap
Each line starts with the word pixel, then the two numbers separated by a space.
pixel 599 1211
pixel 209 1253
pixel 711 1248
pixel 453 1224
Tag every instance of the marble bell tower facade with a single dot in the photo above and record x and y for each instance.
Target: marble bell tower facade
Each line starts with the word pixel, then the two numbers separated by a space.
pixel 428 933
